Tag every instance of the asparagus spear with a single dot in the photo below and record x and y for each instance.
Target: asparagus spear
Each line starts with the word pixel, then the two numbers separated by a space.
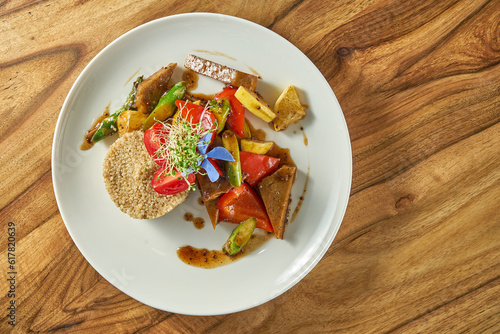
pixel 108 125
pixel 239 237
pixel 166 105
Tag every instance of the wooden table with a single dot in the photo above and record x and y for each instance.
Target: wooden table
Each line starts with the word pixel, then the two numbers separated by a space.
pixel 419 247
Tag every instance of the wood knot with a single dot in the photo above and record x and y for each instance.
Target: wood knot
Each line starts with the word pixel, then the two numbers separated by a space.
pixel 344 51
pixel 404 202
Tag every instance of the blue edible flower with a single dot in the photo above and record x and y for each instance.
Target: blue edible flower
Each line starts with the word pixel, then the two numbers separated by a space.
pixel 219 153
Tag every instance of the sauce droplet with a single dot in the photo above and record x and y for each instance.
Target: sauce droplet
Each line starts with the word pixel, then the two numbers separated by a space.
pixel 301 199
pixel 306 141
pixel 198 222
pixel 191 79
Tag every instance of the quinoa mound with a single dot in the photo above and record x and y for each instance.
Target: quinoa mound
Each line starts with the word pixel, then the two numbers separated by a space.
pixel 128 170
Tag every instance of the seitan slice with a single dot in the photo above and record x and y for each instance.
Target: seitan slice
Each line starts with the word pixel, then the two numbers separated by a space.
pixel 220 72
pixel 275 191
pixel 212 207
pixel 152 88
pixel 210 190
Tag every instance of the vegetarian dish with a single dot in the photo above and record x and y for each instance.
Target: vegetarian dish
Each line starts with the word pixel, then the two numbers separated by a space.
pixel 172 141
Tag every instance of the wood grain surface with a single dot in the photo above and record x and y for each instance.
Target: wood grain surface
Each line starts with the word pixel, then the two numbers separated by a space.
pixel 419 247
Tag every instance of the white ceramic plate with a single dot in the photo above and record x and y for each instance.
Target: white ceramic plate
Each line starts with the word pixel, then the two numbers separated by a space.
pixel 139 257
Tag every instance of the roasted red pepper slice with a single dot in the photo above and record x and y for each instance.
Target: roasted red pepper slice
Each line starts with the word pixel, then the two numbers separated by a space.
pixel 170 184
pixel 257 166
pixel 241 203
pixel 236 118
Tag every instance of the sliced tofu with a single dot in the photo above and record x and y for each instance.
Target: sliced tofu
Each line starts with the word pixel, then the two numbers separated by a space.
pixel 275 191
pixel 220 72
pixel 152 88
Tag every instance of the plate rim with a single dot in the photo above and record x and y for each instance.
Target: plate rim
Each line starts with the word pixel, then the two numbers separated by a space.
pixel 65 112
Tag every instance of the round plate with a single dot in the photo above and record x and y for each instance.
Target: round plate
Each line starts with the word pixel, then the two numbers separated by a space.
pixel 139 256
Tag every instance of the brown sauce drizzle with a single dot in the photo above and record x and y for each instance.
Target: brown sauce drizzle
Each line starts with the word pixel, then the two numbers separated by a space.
pixel 204 98
pixel 258 134
pixel 191 79
pixel 202 257
pixel 282 153
pixel 254 72
pixel 198 222
pixel 301 198
pixel 209 258
pixel 132 77
pixel 87 138
pixel 306 141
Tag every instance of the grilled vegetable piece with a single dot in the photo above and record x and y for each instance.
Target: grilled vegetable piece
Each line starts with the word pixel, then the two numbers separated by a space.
pixel 288 109
pixel 247 131
pixel 220 72
pixel 109 125
pixel 212 190
pixel 239 237
pixel 236 118
pixel 233 168
pixel 256 146
pixel 255 104
pixel 221 109
pixel 213 211
pixel 152 88
pixel 130 120
pixel 166 105
pixel 275 191
pixel 241 203
pixel 257 166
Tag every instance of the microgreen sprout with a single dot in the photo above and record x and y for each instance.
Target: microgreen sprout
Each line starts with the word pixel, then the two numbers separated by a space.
pixel 183 148
pixel 178 146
